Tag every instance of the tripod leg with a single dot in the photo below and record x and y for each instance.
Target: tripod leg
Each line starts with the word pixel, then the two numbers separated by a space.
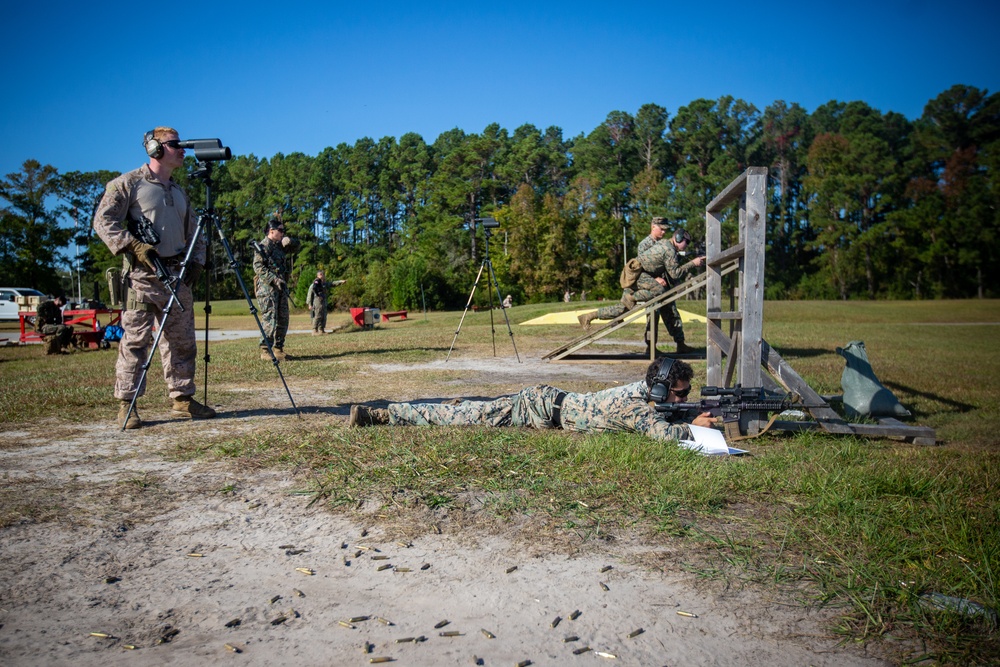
pixel 466 311
pixel 253 310
pixel 496 286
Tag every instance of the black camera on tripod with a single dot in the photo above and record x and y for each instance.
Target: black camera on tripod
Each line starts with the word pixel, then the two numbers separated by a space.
pixel 207 150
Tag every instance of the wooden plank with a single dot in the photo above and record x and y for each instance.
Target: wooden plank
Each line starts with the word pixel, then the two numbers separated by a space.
pixel 728 255
pixel 918 435
pixel 752 274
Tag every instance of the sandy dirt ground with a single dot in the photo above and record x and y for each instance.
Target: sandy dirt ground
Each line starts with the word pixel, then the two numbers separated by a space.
pixel 203 562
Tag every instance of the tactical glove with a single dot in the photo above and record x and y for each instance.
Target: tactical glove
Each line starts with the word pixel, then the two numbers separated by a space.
pixel 145 253
pixel 192 274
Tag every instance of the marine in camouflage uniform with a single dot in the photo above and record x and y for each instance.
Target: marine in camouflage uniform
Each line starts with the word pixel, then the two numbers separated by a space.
pixel 49 323
pixel 316 300
pixel 150 191
pixel 659 259
pixel 623 408
pixel 272 265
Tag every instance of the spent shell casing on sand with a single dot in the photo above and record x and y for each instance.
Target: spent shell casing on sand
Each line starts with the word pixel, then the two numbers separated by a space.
pixel 404 640
pixel 386 566
pixel 441 624
pixel 380 659
pixel 383 621
pixel 450 633
pixel 234 649
pixel 195 555
pixel 511 569
pixel 358 619
pixel 297 593
pixel 380 557
pixel 130 647
pixel 345 624
pixel 612 656
pixel 488 634
pixel 275 599
pixel 305 570
pixel 575 615
pixel 101 635
pixel 582 649
pixel 286 546
pixel 233 623
pixel 635 633
pixel 604 586
pixel 570 638
pixel 555 621
pixel 605 569
pixel 278 621
pixel 368 647
pixel 687 614
pixel 425 566
pixel 523 663
pixel 401 569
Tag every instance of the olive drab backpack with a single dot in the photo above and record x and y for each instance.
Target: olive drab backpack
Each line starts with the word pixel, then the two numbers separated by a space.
pixel 630 274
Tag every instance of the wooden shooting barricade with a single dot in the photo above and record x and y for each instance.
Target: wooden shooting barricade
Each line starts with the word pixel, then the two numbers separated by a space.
pixel 743 348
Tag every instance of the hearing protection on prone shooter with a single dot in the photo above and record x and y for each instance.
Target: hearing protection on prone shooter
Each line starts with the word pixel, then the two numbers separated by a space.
pixel 681 235
pixel 661 384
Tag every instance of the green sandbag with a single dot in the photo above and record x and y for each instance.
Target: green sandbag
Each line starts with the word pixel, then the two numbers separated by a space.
pixel 864 394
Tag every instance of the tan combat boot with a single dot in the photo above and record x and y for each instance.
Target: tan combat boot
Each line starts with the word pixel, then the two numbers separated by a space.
pixel 264 354
pixel 586 319
pixel 52 346
pixel 628 301
pixel 280 354
pixel 187 406
pixel 365 416
pixel 133 419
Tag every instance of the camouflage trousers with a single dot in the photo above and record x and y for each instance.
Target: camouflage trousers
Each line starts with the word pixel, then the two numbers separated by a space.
pixel 530 407
pixel 273 316
pixel 178 348
pixel 319 315
pixel 647 288
pixel 61 336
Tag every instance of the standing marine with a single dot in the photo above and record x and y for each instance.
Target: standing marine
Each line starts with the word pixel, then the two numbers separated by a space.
pixel 272 266
pixel 316 301
pixel 151 191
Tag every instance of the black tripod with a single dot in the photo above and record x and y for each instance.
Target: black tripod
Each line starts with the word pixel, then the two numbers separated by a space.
pixel 205 173
pixel 490 278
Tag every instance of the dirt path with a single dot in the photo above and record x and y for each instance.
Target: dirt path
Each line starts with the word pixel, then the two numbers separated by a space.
pixel 116 526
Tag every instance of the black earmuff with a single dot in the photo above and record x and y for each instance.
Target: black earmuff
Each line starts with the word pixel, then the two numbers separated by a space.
pixel 154 148
pixel 681 235
pixel 660 387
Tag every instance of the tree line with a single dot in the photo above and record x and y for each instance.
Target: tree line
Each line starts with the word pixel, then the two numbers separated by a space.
pixel 862 204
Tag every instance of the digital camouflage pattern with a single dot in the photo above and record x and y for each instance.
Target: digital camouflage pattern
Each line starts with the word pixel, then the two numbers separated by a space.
pixel 167 206
pixel 617 409
pixel 272 271
pixel 659 259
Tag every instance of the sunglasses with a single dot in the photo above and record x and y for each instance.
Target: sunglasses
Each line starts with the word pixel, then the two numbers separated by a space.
pixel 172 143
pixel 683 393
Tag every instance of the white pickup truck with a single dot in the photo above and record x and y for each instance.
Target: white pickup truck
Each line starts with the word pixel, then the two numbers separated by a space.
pixel 9 298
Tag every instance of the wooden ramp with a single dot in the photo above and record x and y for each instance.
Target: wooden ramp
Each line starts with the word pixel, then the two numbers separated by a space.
pixel 647 308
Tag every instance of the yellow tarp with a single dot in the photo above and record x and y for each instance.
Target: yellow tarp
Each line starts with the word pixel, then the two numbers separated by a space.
pixel 570 317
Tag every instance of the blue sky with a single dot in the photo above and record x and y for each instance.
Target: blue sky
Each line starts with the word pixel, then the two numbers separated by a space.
pixel 83 81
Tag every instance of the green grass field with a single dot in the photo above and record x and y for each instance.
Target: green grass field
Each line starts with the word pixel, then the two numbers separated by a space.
pixel 869 525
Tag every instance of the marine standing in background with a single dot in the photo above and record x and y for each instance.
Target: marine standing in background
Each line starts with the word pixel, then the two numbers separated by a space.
pixel 151 192
pixel 316 300
pixel 272 266
pixel 49 322
pixel 661 270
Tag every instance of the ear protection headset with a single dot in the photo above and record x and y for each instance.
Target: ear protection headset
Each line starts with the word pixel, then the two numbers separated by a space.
pixel 154 148
pixel 660 387
pixel 681 235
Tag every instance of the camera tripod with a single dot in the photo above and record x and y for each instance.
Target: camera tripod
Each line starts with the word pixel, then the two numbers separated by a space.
pixel 206 217
pixel 491 278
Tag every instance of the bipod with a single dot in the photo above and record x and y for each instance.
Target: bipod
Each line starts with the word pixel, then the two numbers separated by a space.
pixel 490 276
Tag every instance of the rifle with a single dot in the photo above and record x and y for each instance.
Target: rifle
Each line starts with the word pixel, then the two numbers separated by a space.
pixel 269 263
pixel 737 406
pixel 144 230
